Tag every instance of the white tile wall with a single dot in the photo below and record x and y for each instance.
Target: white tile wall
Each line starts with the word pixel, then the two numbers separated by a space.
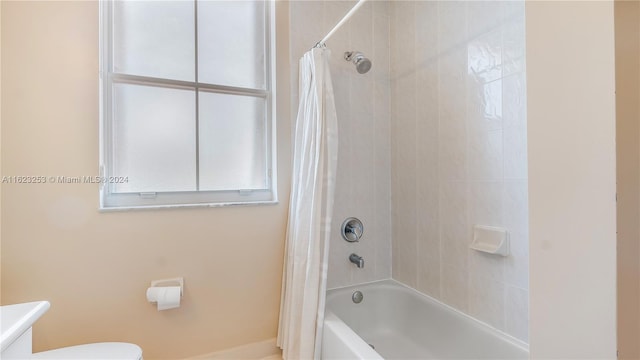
pixel 363 186
pixel 459 156
pixel 432 141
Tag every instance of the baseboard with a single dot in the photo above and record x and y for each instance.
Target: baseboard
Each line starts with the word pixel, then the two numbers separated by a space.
pixel 252 351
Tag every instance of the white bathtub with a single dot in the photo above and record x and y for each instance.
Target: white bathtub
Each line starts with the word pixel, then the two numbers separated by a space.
pixel 401 323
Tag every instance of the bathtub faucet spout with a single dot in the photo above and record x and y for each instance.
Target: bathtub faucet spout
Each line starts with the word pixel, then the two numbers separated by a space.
pixel 358 260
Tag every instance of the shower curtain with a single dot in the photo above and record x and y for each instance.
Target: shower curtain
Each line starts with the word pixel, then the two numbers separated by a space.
pixel 315 158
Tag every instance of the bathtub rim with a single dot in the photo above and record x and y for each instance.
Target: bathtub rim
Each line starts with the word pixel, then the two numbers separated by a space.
pixel 350 339
pixel 389 281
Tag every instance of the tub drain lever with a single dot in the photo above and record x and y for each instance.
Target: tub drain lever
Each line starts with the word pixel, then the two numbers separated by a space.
pixel 357 297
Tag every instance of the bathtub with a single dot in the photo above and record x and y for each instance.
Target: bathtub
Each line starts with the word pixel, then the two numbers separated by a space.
pixel 396 322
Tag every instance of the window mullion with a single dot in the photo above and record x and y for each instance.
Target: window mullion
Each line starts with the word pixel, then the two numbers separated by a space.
pixel 195 7
pixel 187 85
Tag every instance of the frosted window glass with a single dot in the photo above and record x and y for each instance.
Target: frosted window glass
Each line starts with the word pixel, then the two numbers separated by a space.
pixel 154 38
pixel 231 43
pixel 154 138
pixel 232 142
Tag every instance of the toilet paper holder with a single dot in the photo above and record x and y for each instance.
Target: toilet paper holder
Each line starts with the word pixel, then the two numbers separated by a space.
pixel 179 281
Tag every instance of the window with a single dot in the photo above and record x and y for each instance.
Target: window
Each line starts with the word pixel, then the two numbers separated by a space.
pixel 187 103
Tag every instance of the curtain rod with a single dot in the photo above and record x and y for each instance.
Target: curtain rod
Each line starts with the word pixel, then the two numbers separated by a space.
pixel 321 43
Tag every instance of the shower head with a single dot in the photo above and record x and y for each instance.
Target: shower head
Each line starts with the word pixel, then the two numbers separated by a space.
pixel 362 63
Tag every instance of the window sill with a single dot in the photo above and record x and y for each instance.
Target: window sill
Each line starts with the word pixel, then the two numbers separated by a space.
pixel 107 209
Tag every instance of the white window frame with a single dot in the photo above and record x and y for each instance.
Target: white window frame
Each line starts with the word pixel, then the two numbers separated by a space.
pixel 110 200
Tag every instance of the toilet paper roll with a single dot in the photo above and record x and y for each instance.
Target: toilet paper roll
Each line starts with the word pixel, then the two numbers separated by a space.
pixel 167 297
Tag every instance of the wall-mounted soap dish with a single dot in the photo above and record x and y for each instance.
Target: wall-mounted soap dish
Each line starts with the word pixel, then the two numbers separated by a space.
pixel 491 240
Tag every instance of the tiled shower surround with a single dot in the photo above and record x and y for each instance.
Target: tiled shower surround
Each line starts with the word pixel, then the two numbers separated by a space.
pixel 432 142
pixel 459 154
pixel 363 184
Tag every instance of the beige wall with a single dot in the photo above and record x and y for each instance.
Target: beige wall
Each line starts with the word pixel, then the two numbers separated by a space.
pixel 94 267
pixel 571 147
pixel 627 32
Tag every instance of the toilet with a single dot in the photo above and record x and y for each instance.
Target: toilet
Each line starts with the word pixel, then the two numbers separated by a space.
pixel 16 330
pixel 96 351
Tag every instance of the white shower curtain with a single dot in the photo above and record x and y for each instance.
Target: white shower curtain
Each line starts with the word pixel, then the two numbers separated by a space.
pixel 312 189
